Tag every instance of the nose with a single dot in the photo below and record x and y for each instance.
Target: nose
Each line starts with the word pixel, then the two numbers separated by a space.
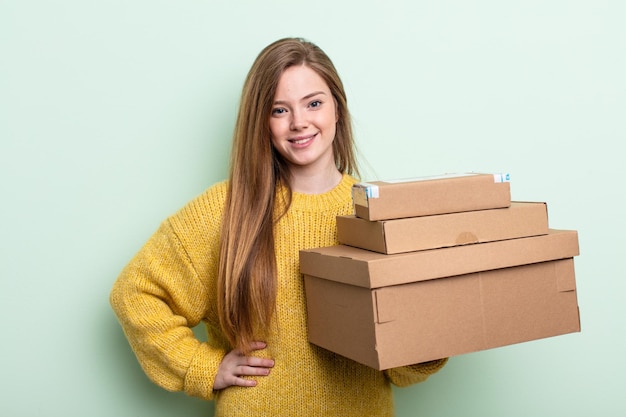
pixel 298 120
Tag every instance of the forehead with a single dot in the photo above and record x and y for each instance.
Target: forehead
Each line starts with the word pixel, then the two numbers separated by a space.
pixel 299 81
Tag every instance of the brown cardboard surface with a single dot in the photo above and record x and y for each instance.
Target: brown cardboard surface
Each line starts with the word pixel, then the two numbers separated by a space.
pixel 369 269
pixel 521 219
pixel 382 200
pixel 427 320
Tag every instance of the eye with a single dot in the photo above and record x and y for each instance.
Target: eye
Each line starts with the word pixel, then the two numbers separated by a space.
pixel 278 111
pixel 315 103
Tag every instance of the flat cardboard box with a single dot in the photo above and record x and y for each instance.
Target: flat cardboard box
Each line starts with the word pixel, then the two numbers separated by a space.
pixel 426 320
pixel 450 193
pixel 521 219
pixel 370 269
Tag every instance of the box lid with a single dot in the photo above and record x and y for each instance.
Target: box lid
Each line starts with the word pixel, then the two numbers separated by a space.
pixel 423 196
pixel 369 269
pixel 521 219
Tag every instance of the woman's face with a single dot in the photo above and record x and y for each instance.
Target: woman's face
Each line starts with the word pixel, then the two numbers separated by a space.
pixel 303 119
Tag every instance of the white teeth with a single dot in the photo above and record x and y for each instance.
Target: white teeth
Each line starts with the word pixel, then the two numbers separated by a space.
pixel 301 141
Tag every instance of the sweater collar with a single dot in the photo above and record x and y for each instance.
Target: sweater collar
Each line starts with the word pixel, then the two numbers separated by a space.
pixel 337 196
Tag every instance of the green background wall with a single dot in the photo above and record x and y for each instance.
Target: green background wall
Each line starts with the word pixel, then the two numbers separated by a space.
pixel 113 114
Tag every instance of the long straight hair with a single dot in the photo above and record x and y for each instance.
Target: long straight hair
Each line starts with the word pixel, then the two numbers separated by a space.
pixel 247 264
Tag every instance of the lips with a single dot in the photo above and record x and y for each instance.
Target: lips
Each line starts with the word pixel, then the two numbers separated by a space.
pixel 302 140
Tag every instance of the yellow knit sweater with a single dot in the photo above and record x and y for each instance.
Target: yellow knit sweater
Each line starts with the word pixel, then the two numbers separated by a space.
pixel 170 286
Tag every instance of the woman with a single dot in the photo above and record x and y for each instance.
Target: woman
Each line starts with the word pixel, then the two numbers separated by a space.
pixel 230 258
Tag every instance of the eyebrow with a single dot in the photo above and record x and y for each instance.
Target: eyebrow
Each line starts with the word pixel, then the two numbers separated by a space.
pixel 308 96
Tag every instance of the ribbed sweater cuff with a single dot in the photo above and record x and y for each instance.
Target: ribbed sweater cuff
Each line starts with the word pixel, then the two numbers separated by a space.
pixel 202 371
pixel 413 374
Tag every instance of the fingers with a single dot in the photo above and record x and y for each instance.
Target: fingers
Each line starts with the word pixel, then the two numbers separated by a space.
pixel 247 371
pixel 258 345
pixel 251 365
pixel 235 368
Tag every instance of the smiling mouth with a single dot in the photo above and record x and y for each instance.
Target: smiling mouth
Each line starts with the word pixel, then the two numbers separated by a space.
pixel 302 141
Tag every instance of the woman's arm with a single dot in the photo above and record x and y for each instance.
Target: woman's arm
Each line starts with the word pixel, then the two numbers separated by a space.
pixel 413 374
pixel 157 298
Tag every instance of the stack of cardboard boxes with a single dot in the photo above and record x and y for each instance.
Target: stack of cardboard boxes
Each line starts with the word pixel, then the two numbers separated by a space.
pixel 436 267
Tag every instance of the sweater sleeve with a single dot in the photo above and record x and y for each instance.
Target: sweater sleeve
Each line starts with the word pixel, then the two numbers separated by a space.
pixel 157 298
pixel 413 374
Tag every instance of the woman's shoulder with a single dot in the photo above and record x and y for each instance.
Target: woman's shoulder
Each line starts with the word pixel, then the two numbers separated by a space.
pixel 213 195
pixel 205 210
pixel 351 180
pixel 216 193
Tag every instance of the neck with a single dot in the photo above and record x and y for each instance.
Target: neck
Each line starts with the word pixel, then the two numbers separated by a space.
pixel 309 181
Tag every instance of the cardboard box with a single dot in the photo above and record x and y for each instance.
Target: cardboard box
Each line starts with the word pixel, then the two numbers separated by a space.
pixel 369 269
pixel 450 193
pixel 521 219
pixel 426 320
pixel 387 311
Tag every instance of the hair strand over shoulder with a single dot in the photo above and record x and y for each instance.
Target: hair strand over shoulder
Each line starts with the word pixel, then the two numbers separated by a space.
pixel 247 265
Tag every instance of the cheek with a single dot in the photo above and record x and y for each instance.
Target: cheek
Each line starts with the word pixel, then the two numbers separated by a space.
pixel 276 133
pixel 274 142
pixel 277 128
pixel 333 118
pixel 333 126
pixel 272 126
